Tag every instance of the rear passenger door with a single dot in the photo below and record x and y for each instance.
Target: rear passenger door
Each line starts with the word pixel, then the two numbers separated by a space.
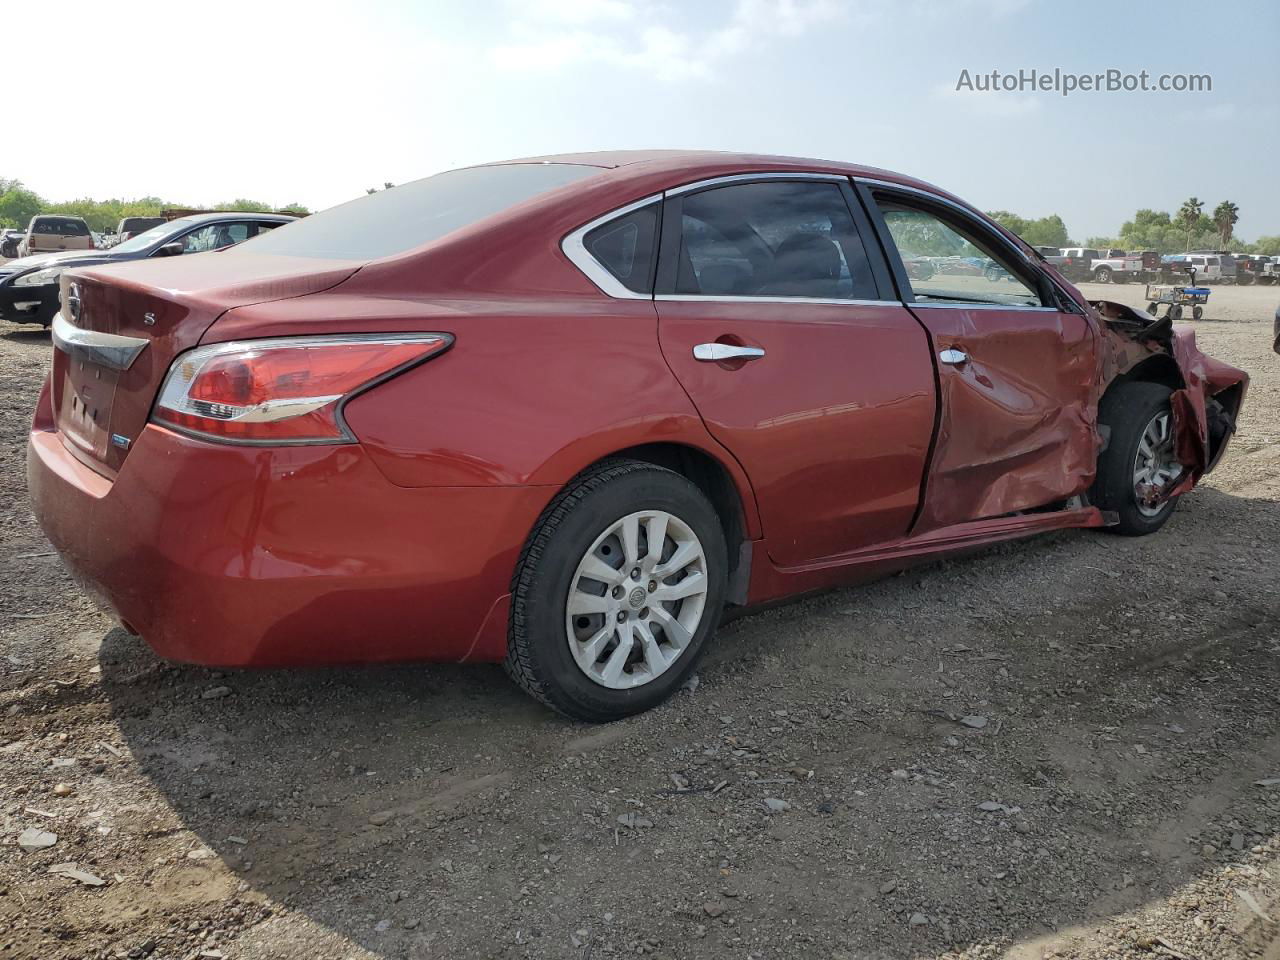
pixel 1016 362
pixel 776 314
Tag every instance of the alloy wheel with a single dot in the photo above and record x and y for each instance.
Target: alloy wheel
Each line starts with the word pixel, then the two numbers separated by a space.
pixel 1155 466
pixel 636 599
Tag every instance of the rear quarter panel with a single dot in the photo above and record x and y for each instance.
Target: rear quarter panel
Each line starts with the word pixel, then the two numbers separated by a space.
pixel 531 392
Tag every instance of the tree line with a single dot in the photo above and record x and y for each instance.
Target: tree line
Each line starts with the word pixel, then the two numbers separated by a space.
pixel 1189 228
pixel 18 205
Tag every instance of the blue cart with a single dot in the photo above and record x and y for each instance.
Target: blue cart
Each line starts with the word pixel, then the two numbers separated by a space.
pixel 1176 298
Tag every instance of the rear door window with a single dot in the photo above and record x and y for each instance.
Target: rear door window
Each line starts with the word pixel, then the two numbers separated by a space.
pixel 772 239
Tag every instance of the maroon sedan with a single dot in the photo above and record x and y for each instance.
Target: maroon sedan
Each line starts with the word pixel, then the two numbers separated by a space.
pixel 561 412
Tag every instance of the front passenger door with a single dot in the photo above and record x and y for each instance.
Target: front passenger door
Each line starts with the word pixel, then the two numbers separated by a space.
pixel 1016 364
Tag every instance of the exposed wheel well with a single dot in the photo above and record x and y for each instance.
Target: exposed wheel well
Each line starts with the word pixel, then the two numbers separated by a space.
pixel 1157 368
pixel 710 476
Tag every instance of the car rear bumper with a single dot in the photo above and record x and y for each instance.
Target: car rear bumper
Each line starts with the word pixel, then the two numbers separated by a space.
pixel 272 556
pixel 29 304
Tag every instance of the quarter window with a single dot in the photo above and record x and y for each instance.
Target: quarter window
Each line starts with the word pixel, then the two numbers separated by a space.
pixel 948 262
pixel 772 239
pixel 625 247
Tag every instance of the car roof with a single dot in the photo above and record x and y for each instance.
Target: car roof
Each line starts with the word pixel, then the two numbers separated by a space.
pixel 694 165
pixel 232 215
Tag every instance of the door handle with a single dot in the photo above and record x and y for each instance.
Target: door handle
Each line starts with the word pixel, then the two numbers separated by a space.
pixel 717 352
pixel 953 357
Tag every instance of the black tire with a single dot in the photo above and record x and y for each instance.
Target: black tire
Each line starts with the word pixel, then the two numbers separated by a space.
pixel 1175 312
pixel 1197 312
pixel 1127 409
pixel 1152 308
pixel 538 654
pixel 1102 275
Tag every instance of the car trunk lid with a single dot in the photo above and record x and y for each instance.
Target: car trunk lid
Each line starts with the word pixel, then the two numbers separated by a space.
pixel 120 329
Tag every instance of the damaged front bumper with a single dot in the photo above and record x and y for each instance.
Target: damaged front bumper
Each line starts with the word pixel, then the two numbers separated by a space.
pixel 1207 393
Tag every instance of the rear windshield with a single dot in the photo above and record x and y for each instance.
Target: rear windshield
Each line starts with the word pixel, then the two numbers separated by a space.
pixel 400 218
pixel 134 224
pixel 59 227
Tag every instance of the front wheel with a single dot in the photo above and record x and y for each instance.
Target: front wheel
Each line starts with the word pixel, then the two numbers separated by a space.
pixel 618 588
pixel 1102 275
pixel 1139 466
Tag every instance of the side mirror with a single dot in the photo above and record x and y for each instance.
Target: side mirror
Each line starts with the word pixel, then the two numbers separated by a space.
pixel 171 249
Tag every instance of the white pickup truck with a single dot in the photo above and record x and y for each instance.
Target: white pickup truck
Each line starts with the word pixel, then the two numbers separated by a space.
pixel 1116 266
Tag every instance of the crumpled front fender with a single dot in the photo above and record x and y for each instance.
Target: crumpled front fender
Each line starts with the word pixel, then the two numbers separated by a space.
pixel 1207 398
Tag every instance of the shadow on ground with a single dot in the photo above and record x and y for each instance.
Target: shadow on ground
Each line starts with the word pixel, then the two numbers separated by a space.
pixel 435 811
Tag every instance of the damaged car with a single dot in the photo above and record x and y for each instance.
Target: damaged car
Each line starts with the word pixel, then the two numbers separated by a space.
pixel 561 413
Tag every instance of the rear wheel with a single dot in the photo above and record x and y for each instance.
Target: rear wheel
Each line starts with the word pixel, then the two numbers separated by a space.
pixel 616 592
pixel 1138 465
pixel 1197 312
pixel 1175 312
pixel 1102 275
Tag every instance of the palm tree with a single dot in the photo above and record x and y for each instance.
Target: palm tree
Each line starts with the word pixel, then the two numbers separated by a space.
pixel 1189 216
pixel 1225 216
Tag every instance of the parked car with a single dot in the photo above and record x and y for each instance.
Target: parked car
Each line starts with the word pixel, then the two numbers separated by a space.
pixel 1208 267
pixel 53 234
pixel 130 227
pixel 1078 263
pixel 9 241
pixel 29 286
pixel 1226 264
pixel 1053 256
pixel 1141 266
pixel 688 380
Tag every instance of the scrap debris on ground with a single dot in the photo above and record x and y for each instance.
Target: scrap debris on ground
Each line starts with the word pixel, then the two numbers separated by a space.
pixel 1064 747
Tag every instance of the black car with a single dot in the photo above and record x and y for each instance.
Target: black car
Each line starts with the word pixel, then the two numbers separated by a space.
pixel 29 286
pixel 130 227
pixel 9 240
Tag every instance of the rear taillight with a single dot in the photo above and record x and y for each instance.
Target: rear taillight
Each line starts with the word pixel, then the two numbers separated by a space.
pixel 283 390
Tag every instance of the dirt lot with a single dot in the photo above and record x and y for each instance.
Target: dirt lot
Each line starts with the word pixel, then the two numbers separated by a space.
pixel 1107 803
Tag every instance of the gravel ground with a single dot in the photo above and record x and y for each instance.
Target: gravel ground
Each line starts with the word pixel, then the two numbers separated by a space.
pixel 1065 747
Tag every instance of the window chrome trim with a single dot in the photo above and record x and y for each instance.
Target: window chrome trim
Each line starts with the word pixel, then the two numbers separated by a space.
pixel 750 177
pixel 106 349
pixel 982 305
pixel 576 250
pixel 714 298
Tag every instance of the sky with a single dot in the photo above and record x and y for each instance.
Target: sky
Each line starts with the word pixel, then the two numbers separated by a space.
pixel 312 102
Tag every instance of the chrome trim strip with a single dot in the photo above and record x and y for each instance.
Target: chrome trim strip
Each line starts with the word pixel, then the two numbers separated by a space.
pixel 576 251
pixel 711 298
pixel 747 177
pixel 966 305
pixel 106 349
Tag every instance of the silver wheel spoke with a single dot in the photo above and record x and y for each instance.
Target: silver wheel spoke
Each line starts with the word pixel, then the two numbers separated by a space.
pixel 657 533
pixel 690 586
pixel 653 655
pixel 612 671
pixel 675 630
pixel 591 649
pixel 631 539
pixel 685 554
pixel 595 568
pixel 584 604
